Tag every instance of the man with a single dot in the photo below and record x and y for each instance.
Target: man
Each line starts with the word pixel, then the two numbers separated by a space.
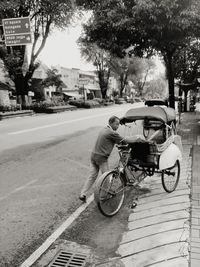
pixel 105 142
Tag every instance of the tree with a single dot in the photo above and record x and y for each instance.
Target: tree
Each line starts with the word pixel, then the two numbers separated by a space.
pixel 139 71
pixel 120 69
pixel 44 15
pixel 99 58
pixel 134 69
pixel 187 62
pixel 53 79
pixel 156 88
pixel 147 26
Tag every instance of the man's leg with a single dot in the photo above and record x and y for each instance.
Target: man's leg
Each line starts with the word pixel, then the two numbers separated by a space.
pixel 94 170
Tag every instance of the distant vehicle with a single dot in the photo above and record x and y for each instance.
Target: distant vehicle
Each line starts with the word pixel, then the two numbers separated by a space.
pixel 156 102
pixel 137 99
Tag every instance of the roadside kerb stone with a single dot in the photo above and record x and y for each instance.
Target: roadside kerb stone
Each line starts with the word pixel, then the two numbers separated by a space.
pixel 159 228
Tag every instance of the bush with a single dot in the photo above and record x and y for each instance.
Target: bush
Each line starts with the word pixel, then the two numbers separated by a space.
pixel 43 105
pixel 84 104
pixel 9 108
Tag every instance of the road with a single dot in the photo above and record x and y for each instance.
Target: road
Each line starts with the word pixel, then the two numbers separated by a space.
pixel 44 161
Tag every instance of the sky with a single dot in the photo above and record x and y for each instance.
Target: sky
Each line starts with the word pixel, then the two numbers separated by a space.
pixel 61 49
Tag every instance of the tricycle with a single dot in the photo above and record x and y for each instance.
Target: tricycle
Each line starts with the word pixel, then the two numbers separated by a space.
pixel 159 153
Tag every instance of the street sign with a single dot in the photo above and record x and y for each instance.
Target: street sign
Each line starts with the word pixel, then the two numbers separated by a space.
pixel 83 81
pixel 17 31
pixel 20 39
pixel 16 25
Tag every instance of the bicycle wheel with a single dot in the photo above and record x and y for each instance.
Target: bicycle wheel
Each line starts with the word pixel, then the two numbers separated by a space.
pixel 109 193
pixel 170 177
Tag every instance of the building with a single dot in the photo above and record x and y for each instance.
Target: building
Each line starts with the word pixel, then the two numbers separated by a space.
pixel 88 84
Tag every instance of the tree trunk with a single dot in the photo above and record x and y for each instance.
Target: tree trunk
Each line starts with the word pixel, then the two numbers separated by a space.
pixel 103 92
pixel 123 82
pixel 170 76
pixel 21 85
pixel 103 82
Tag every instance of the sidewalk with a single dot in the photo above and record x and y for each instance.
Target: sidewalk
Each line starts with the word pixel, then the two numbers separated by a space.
pixel 164 229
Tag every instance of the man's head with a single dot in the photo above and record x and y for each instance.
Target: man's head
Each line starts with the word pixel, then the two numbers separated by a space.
pixel 114 122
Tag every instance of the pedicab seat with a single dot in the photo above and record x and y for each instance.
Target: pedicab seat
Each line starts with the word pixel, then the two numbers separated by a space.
pixel 145 153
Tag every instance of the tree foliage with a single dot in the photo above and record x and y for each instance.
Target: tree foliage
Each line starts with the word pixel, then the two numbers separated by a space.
pixel 44 16
pixel 99 58
pixel 187 62
pixel 146 26
pixel 53 79
pixel 133 69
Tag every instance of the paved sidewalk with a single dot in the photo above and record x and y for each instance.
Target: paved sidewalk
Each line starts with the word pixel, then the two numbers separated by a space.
pixel 158 229
pixel 164 229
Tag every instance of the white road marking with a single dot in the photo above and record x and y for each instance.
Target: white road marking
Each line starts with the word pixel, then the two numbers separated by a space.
pixel 18 189
pixel 52 238
pixel 60 123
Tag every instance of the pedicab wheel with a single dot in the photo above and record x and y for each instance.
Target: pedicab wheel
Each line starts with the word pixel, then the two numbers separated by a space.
pixel 109 193
pixel 170 177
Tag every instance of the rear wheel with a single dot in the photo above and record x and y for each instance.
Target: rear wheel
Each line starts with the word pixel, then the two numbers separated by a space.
pixel 170 177
pixel 109 193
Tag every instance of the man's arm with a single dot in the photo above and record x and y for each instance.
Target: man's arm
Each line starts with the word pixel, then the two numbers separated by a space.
pixel 131 139
pixel 135 139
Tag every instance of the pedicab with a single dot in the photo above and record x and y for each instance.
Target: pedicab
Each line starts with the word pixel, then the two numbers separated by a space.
pixel 160 153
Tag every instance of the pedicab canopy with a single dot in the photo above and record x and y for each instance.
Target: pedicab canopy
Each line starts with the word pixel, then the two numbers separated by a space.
pixel 163 114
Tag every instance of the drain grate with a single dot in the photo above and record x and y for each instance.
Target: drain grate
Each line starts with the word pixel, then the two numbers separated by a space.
pixel 69 259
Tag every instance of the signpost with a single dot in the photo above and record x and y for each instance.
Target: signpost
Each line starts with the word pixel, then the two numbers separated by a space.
pixel 17 31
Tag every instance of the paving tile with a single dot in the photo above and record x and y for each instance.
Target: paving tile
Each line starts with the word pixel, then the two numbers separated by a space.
pixel 158 257
pixel 163 202
pixel 195 263
pixel 195 244
pixel 196 226
pixel 153 230
pixel 159 210
pixel 158 219
pixel 195 233
pixel 194 221
pixel 195 255
pixel 195 239
pixel 163 195
pixel 150 242
pixel 195 249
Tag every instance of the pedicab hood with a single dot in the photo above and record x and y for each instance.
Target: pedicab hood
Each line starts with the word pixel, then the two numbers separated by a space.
pixel 163 114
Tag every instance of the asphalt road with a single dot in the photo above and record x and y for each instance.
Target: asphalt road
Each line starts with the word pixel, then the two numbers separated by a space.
pixel 43 163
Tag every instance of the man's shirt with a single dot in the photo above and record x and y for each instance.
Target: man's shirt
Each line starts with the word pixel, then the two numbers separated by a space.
pixel 105 142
